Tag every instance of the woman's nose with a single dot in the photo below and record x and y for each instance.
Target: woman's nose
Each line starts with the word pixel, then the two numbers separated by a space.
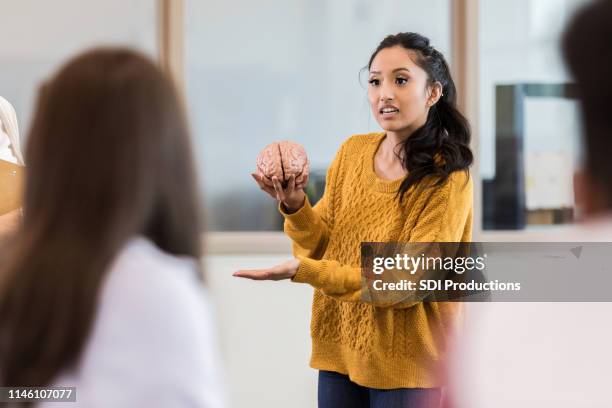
pixel 386 94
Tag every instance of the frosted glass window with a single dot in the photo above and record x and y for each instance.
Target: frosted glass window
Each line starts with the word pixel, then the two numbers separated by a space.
pixel 262 71
pixel 519 44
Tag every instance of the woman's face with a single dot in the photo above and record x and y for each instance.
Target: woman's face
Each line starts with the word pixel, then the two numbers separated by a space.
pixel 399 92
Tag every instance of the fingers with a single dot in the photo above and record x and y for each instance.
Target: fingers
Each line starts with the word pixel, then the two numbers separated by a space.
pixel 262 180
pixel 254 274
pixel 273 273
pixel 301 181
pixel 291 185
pixel 266 180
pixel 275 189
pixel 286 270
pixel 280 193
pixel 263 186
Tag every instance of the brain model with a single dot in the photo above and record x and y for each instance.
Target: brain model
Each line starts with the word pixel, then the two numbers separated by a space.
pixel 283 159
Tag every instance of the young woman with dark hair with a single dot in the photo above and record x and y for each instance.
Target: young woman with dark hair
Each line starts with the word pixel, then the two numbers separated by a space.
pixel 409 183
pixel 103 290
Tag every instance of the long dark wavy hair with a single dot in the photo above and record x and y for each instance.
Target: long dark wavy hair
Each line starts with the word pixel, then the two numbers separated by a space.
pixel 445 133
pixel 108 158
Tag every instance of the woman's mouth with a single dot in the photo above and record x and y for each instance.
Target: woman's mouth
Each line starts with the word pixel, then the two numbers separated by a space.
pixel 388 112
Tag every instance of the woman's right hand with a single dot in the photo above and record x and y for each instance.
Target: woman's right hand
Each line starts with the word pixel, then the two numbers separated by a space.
pixel 292 197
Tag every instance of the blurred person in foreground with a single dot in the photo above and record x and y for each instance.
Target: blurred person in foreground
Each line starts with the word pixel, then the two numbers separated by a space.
pixel 11 162
pixel 103 290
pixel 588 55
pixel 548 354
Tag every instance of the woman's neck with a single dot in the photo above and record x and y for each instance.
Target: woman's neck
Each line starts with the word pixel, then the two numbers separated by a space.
pixel 391 147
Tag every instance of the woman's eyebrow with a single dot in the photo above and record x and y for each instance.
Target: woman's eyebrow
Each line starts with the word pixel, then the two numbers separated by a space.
pixel 395 70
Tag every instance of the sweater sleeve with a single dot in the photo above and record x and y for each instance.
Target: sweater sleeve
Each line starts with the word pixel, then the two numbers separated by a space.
pixel 309 227
pixel 443 218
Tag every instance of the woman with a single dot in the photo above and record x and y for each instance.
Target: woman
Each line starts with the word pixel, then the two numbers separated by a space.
pixel 10 159
pixel 408 184
pixel 103 289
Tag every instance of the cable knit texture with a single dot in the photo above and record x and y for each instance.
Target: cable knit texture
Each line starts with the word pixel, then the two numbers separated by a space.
pixel 396 346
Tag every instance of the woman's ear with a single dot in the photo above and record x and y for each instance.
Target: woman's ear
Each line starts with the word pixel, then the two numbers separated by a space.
pixel 435 93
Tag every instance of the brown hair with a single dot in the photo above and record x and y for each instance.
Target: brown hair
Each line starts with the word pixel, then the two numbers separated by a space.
pixel 587 52
pixel 108 158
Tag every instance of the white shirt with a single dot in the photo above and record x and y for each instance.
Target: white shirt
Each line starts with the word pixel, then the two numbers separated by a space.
pixel 10 149
pixel 6 151
pixel 153 343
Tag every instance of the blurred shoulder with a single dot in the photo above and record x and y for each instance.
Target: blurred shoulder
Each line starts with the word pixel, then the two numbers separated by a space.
pixel 154 329
pixel 147 289
pixel 143 272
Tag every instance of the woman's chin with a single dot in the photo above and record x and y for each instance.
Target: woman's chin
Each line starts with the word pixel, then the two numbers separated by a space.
pixel 391 127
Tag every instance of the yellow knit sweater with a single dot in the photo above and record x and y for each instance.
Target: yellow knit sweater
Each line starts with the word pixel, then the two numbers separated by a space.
pixel 401 346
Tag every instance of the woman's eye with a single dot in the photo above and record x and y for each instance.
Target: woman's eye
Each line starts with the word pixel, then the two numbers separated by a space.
pixel 401 81
pixel 374 82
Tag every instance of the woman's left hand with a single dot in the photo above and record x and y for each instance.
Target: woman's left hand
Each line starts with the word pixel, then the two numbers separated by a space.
pixel 286 270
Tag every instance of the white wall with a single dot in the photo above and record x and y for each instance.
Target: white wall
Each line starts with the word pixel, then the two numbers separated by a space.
pixel 264 333
pixel 36 36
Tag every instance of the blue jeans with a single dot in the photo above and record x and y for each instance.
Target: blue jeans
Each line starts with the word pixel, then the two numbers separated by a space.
pixel 338 391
